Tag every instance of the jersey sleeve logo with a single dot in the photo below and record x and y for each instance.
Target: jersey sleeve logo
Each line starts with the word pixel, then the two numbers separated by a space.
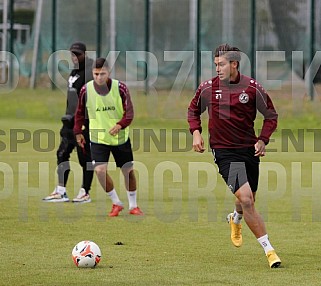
pixel 72 80
pixel 244 97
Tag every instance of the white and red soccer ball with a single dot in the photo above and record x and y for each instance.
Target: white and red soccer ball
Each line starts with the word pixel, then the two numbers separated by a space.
pixel 86 254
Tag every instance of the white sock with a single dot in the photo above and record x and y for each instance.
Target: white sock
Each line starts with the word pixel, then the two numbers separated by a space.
pixel 237 217
pixel 114 197
pixel 265 243
pixel 61 190
pixel 132 199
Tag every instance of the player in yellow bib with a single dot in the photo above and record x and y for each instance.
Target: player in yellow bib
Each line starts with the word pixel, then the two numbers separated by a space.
pixel 109 108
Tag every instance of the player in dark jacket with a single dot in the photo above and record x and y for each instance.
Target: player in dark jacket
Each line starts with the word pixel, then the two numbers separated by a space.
pixel 81 74
pixel 232 100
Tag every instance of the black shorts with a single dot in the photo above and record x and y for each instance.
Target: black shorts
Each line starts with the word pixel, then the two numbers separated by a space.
pixel 122 154
pixel 238 166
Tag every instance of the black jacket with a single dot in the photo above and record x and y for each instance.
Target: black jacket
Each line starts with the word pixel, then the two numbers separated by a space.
pixel 77 79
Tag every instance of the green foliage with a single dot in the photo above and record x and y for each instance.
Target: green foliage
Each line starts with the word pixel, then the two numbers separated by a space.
pixel 24 16
pixel 183 239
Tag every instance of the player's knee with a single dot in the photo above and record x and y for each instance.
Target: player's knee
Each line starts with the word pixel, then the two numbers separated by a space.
pixel 100 170
pixel 130 173
pixel 247 203
pixel 127 169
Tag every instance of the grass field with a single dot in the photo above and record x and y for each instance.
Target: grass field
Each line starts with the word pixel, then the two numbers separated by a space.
pixel 183 239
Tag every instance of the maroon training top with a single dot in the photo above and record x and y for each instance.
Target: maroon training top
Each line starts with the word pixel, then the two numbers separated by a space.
pixel 232 109
pixel 81 113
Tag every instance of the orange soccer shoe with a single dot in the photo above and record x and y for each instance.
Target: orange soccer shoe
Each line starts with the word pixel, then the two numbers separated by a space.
pixel 136 211
pixel 116 209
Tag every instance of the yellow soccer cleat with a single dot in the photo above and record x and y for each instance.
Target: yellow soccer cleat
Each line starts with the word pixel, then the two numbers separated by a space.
pixel 236 231
pixel 274 260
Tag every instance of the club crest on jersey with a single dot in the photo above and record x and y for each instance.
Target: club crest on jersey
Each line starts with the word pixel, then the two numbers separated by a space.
pixel 218 94
pixel 244 97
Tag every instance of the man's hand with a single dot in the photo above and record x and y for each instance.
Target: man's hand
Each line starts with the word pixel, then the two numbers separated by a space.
pixel 198 142
pixel 115 130
pixel 259 148
pixel 80 140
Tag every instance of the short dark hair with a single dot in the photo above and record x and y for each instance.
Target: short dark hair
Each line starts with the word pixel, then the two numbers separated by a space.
pixel 100 63
pixel 231 53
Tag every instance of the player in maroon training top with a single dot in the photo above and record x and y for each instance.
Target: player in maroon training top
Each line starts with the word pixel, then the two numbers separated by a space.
pixel 232 100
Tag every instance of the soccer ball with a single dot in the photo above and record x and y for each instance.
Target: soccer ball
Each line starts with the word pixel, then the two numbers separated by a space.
pixel 86 254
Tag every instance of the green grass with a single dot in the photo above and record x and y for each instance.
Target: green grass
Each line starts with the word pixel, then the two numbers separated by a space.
pixel 183 239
